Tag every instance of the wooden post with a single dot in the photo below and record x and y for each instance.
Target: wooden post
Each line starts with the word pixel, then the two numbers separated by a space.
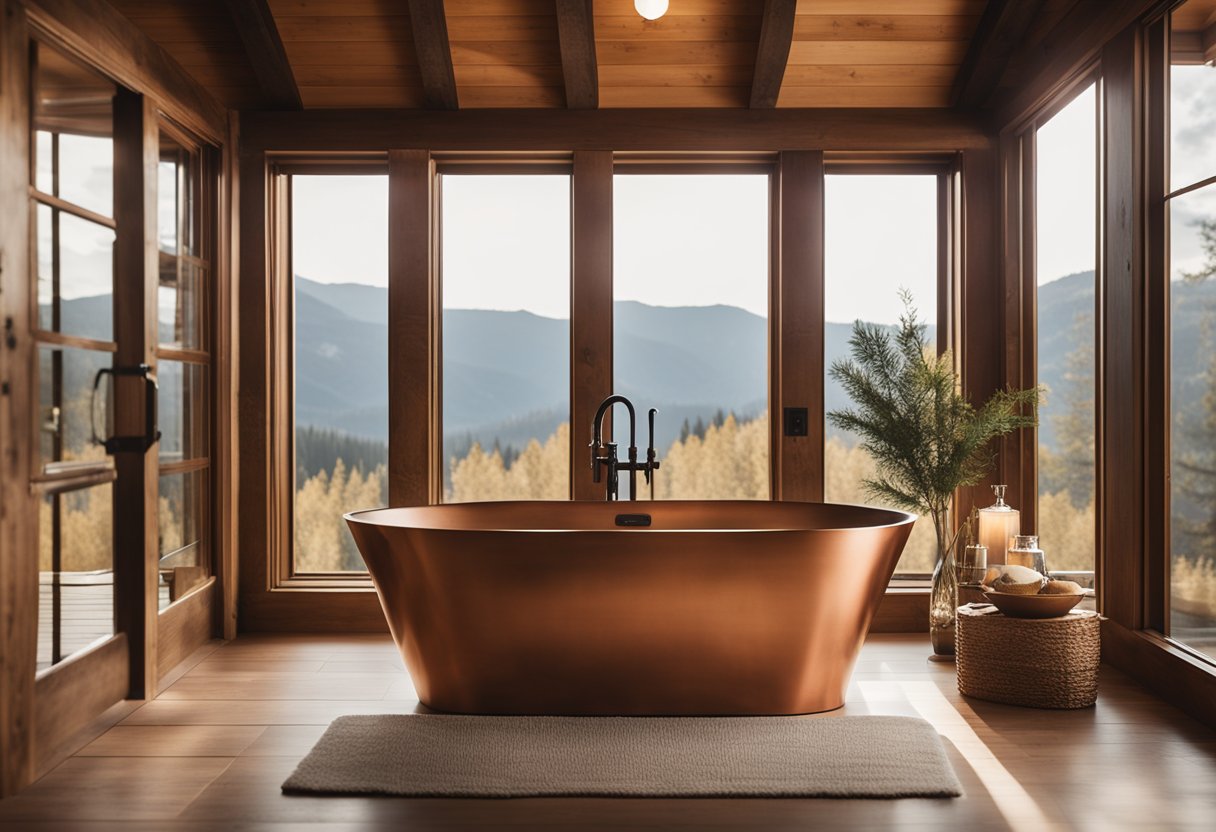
pixel 590 310
pixel 136 546
pixel 18 509
pixel 797 360
pixel 414 443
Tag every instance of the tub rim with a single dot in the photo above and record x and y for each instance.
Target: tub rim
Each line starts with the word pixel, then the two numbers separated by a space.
pixel 362 516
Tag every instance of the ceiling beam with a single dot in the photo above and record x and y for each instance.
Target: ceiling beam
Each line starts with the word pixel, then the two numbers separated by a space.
pixel 264 49
pixel 434 52
pixel 773 52
pixel 576 36
pixel 999 33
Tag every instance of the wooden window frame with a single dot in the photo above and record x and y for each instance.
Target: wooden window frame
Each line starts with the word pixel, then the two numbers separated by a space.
pixel 1019 163
pixel 944 168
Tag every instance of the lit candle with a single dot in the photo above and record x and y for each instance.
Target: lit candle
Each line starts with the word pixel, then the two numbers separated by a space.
pixel 999 523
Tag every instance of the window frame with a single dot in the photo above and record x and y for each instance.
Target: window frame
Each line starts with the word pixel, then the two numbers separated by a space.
pixel 788 173
pixel 1019 145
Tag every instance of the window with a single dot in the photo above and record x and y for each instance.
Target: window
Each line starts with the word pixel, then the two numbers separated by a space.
pixel 881 237
pixel 339 259
pixel 505 254
pixel 690 329
pixel 183 364
pixel 1066 206
pixel 73 235
pixel 1191 209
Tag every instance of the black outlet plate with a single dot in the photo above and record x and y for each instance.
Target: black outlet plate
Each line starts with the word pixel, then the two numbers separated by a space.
pixel 796 421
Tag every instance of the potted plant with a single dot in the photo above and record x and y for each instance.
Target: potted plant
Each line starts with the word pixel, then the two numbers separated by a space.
pixel 925 437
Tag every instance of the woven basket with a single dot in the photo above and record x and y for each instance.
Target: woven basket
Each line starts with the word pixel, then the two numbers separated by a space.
pixel 1038 663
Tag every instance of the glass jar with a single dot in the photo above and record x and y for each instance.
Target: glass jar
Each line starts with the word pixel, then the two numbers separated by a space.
pixel 1025 551
pixel 973 565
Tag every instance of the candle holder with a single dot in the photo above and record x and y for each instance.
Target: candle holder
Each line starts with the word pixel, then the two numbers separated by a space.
pixel 998 525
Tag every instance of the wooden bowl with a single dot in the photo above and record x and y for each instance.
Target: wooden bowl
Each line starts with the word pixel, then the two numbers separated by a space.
pixel 1033 606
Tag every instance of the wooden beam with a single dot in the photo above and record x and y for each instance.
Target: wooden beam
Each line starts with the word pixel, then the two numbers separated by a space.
pixel 19 391
pixel 773 52
pixel 590 309
pixel 683 131
pixel 266 54
pixel 576 36
pixel 1000 31
pixel 434 53
pixel 1053 63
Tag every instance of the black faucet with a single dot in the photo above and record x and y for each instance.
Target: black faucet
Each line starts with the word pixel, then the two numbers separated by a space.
pixel 605 454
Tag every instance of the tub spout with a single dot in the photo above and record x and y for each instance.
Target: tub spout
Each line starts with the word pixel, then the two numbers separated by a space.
pixel 603 455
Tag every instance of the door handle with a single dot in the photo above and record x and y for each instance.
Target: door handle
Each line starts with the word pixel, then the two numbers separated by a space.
pixel 151 435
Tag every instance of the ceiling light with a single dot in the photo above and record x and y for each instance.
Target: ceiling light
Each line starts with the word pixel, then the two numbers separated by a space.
pixel 651 9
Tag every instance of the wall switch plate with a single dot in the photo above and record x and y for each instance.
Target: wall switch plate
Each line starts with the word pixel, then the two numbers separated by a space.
pixel 796 421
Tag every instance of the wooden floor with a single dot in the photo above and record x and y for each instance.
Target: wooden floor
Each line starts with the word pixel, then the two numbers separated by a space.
pixel 212 749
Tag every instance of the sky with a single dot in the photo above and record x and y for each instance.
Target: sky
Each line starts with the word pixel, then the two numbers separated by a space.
pixel 1066 181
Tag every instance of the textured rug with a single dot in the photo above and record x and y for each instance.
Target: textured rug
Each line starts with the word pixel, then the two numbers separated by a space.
pixel 426 755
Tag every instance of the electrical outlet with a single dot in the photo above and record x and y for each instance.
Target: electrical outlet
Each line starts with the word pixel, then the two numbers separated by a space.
pixel 796 421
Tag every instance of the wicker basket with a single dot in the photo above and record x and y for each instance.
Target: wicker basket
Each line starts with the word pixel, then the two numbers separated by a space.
pixel 1038 663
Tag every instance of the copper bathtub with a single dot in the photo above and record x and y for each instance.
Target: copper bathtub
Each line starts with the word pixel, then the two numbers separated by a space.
pixel 554 608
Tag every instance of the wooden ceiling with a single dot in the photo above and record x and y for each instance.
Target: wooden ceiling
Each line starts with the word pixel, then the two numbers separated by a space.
pixel 287 54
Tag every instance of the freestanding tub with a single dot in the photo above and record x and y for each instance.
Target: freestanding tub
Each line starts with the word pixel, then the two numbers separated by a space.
pixel 553 608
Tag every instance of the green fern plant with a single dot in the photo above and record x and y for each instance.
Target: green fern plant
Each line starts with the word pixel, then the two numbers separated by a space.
pixel 926 439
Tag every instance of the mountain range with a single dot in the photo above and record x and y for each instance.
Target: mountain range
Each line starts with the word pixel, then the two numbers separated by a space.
pixel 506 373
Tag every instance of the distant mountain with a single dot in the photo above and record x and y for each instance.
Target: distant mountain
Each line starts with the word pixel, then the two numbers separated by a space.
pixel 506 374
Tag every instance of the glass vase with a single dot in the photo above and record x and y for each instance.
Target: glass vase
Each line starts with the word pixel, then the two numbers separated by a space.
pixel 943 603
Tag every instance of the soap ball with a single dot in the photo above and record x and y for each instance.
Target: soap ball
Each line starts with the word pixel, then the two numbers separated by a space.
pixel 1018 580
pixel 1061 588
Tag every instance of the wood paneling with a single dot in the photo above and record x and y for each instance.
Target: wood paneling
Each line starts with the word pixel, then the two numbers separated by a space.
pixel 264 48
pixel 576 34
pixel 508 53
pixel 713 35
pixel 1120 434
pixel 799 358
pixel 183 627
pixel 413 337
pixel 136 277
pixel 358 54
pixel 591 376
pixel 851 54
pixel 621 130
pixel 72 693
pixel 18 508
pixel 225 563
pixel 773 52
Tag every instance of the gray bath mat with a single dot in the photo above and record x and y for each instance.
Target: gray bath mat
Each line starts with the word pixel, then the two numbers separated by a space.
pixel 426 755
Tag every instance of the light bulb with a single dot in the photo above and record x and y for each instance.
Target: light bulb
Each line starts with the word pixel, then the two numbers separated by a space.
pixel 651 9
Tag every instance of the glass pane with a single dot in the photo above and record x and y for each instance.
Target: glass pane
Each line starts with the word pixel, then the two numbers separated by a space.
pixel 506 337
pixel 340 260
pixel 690 330
pixel 1066 229
pixel 1193 419
pixel 182 410
pixel 1192 91
pixel 880 237
pixel 65 405
pixel 184 518
pixel 180 302
pixel 75 275
pixel 75 572
pixel 74 105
